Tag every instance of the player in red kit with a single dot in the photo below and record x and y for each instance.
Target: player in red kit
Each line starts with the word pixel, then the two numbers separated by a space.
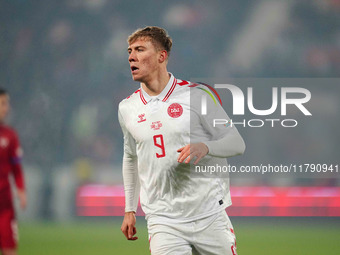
pixel 10 154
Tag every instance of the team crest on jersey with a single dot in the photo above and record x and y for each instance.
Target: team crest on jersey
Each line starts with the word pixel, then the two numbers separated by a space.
pixel 141 118
pixel 175 110
pixel 3 142
pixel 156 125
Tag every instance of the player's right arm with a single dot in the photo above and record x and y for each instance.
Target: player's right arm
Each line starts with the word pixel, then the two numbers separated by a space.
pixel 131 182
pixel 129 226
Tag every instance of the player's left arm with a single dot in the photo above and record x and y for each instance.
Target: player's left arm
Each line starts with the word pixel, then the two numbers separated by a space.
pixel 225 141
pixel 17 171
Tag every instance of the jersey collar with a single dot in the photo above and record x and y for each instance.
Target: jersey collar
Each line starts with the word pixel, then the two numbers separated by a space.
pixel 164 95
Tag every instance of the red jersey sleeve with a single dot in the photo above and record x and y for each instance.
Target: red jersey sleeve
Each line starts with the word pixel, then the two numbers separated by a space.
pixel 15 156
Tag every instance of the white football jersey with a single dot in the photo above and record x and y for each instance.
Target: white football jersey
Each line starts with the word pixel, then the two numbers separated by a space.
pixel 154 128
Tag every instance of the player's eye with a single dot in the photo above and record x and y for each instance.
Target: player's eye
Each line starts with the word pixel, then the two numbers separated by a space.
pixel 140 50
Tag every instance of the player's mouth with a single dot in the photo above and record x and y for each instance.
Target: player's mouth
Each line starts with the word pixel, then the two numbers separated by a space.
pixel 134 69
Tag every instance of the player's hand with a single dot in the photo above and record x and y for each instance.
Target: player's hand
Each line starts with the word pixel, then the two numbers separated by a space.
pixel 22 198
pixel 188 152
pixel 128 227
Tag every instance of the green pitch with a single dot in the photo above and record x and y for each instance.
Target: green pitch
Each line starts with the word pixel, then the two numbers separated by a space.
pixel 254 236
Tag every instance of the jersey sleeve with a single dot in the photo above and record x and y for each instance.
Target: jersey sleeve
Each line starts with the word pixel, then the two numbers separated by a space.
pixel 225 141
pixel 15 157
pixel 130 169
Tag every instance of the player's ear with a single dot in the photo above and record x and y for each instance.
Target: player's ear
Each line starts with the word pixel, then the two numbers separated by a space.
pixel 163 56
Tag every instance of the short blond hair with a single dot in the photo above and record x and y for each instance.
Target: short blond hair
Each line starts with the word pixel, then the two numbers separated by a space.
pixel 158 37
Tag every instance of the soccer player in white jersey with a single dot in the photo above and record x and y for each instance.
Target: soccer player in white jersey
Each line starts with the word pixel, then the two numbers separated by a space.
pixel 165 134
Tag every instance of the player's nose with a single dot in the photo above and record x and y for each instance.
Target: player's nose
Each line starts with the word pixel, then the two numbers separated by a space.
pixel 132 57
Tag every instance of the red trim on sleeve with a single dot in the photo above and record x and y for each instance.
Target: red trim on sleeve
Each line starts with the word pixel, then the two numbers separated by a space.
pixel 133 93
pixel 183 83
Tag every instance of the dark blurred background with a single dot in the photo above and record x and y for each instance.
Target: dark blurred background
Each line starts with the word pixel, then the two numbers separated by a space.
pixel 65 66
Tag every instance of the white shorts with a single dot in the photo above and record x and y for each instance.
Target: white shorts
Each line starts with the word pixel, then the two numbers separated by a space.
pixel 213 235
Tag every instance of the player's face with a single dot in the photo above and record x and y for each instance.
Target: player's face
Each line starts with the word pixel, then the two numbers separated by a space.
pixel 143 59
pixel 4 107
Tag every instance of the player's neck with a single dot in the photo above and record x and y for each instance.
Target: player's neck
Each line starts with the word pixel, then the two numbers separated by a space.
pixel 156 85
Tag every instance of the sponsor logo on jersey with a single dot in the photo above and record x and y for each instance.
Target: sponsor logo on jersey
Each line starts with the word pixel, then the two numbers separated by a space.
pixel 141 118
pixel 156 125
pixel 175 110
pixel 3 142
